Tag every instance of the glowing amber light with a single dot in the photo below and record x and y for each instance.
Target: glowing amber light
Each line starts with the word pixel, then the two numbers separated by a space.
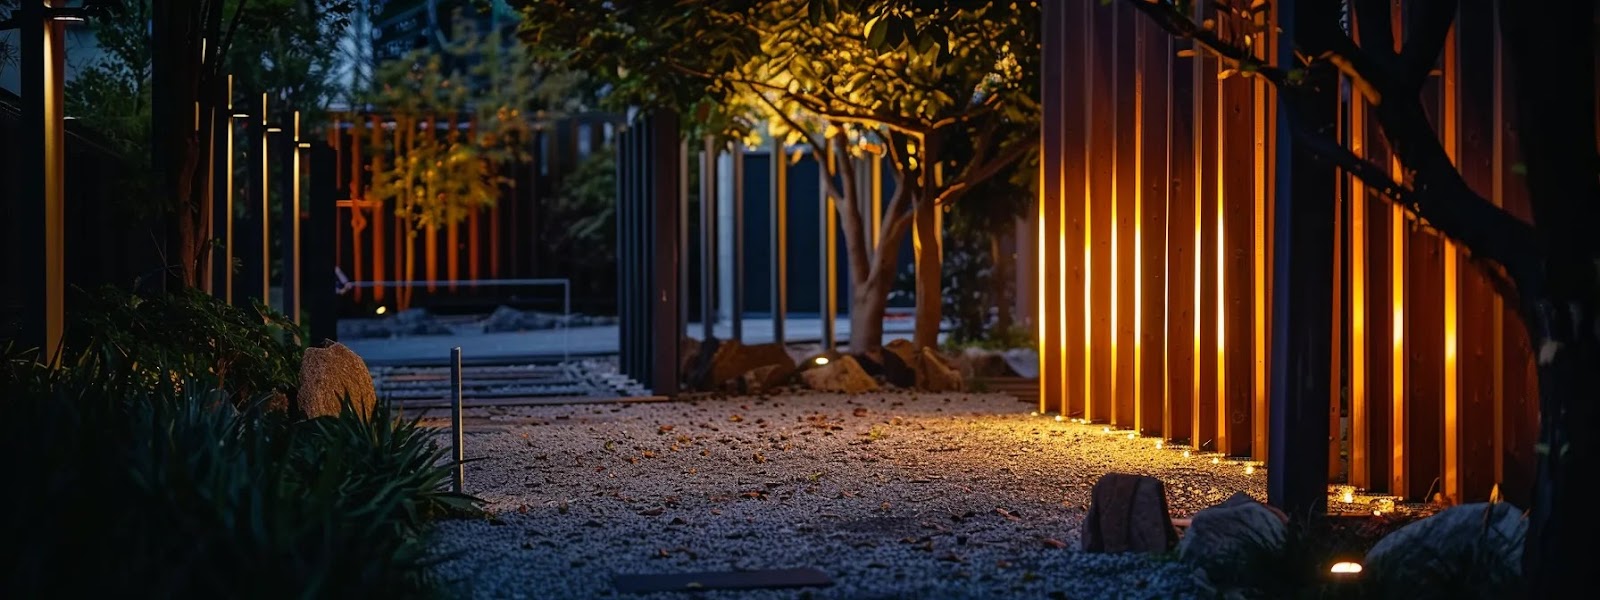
pixel 382 309
pixel 1345 568
pixel 1186 454
pixel 821 360
pixel 1249 469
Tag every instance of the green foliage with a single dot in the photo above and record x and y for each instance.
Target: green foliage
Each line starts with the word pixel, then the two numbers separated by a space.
pixel 188 335
pixel 579 225
pixel 169 490
pixel 968 295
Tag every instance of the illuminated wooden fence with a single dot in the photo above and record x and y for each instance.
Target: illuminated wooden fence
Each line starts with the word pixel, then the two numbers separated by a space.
pixel 1154 258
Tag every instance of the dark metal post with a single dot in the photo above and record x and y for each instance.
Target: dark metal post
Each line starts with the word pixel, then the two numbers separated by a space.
pixel 779 202
pixel 708 239
pixel 317 275
pixel 247 285
pixel 30 201
pixel 222 198
pixel 682 169
pixel 459 471
pixel 287 151
pixel 266 205
pixel 664 262
pixel 736 312
pixel 825 227
pixel 625 279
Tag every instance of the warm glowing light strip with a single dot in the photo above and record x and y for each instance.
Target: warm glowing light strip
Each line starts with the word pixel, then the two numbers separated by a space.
pixel 1360 469
pixel 1044 307
pixel 1221 404
pixel 1398 475
pixel 1197 117
pixel 1451 483
pixel 227 237
pixel 266 212
pixel 1258 414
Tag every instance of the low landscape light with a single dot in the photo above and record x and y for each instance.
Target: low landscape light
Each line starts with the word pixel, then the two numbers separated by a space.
pixel 1158 444
pixel 821 360
pixel 1186 454
pixel 1058 418
pixel 1345 568
pixel 1249 469
pixel 382 309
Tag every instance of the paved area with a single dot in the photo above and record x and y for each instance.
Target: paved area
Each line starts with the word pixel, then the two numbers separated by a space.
pixel 557 344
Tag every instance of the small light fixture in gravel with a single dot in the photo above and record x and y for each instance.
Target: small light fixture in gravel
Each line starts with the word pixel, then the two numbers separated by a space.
pixel 1158 444
pixel 821 360
pixel 1249 469
pixel 1344 569
pixel 1186 454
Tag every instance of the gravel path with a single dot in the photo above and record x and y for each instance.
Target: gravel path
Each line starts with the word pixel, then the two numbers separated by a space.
pixel 893 495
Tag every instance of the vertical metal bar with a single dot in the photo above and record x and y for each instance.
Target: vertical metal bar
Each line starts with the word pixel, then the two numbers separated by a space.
pixel 664 264
pixel 456 441
pixel 708 239
pixel 266 209
pixel 36 183
pixel 222 200
pixel 736 312
pixel 566 320
pixel 319 274
pixel 779 201
pixel 825 306
pixel 682 168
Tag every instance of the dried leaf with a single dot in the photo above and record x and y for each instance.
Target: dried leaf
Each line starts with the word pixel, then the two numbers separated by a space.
pixel 654 512
pixel 1054 543
pixel 1225 73
pixel 1186 53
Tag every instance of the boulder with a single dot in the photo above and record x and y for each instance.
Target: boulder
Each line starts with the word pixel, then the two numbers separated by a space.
pixel 1128 513
pixel 733 359
pixel 842 374
pixel 1223 541
pixel 1480 540
pixel 934 374
pixel 762 378
pixel 327 375
pixel 689 360
pixel 416 321
pixel 1022 361
pixel 503 319
pixel 900 363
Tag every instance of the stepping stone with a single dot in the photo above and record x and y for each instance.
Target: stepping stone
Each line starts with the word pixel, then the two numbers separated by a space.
pixel 725 580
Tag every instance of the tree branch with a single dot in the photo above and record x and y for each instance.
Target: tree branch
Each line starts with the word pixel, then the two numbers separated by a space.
pixel 1375 26
pixel 816 144
pixel 1428 25
pixel 1166 15
pixel 973 176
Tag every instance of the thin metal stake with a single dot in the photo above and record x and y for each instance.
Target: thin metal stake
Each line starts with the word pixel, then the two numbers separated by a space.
pixel 455 419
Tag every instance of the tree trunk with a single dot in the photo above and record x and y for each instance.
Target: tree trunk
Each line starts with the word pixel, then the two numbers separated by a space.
pixel 868 300
pixel 403 293
pixel 929 264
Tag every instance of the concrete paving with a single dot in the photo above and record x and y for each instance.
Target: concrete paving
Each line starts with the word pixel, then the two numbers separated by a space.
pixel 558 344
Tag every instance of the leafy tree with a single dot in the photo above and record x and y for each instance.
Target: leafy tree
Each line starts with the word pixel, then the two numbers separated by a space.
pixel 435 173
pixel 1545 269
pixel 945 90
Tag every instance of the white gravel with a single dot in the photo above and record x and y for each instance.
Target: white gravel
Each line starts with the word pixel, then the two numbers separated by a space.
pixel 893 495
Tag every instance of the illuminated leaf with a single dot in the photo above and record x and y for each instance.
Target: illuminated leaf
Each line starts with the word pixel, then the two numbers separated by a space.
pixel 1225 73
pixel 1186 53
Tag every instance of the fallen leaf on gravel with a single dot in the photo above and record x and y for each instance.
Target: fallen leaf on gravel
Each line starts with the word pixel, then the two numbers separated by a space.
pixel 951 557
pixel 664 429
pixel 649 454
pixel 522 509
pixel 1007 514
pixel 601 468
pixel 735 418
pixel 1002 564
pixel 611 446
pixel 860 412
pixel 705 453
pixel 1054 543
pixel 759 458
pixel 678 521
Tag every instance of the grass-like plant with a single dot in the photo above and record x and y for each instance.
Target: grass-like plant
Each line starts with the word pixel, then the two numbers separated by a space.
pixel 126 483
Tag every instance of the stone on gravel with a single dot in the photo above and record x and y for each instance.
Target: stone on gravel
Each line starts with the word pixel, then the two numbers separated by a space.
pixel 1128 513
pixel 974 363
pixel 934 373
pixel 1484 538
pixel 900 363
pixel 1223 541
pixel 733 360
pixel 330 373
pixel 841 374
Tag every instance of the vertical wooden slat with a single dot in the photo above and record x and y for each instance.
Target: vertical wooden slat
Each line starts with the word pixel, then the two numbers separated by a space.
pixel 1072 243
pixel 1182 246
pixel 1125 215
pixel 1359 302
pixel 1236 268
pixel 1475 356
pixel 1423 406
pixel 1183 253
pixel 1154 104
pixel 1209 160
pixel 1380 323
pixel 1051 342
pixel 1260 240
pixel 453 234
pixel 380 216
pixel 1101 373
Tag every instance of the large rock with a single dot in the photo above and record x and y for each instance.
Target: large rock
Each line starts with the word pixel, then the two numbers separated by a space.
pixel 1480 540
pixel 416 321
pixel 1128 513
pixel 900 363
pixel 327 375
pixel 1225 540
pixel 1023 361
pixel 934 374
pixel 732 360
pixel 842 374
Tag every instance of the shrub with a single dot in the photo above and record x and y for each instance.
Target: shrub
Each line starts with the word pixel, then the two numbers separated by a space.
pixel 167 487
pixel 247 351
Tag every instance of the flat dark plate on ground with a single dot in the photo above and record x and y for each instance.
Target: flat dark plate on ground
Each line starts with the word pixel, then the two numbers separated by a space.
pixel 726 580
